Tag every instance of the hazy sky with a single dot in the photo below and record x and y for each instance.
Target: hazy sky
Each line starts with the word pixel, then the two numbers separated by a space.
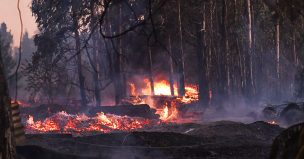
pixel 9 15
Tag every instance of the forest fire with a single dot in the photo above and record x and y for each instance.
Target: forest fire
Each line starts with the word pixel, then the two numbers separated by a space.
pixel 132 79
pixel 166 107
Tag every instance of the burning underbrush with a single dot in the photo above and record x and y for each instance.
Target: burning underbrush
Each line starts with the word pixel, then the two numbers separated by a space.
pixel 140 110
pixel 63 122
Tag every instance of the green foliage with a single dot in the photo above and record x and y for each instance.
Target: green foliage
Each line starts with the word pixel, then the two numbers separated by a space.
pixel 9 63
pixel 28 47
pixel 42 76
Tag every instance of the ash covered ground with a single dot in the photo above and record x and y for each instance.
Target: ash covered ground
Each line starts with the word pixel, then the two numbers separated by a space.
pixel 222 139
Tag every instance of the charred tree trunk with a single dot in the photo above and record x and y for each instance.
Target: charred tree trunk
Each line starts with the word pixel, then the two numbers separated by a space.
pixel 151 71
pixel 81 78
pixel 202 63
pixel 249 25
pixel 278 47
pixel 277 43
pixel 181 64
pixel 171 78
pixel 211 77
pixel 96 71
pixel 226 46
pixel 294 51
pixel 121 52
pixel 250 82
pixel 223 58
pixel 7 145
pixel 117 70
pixel 117 78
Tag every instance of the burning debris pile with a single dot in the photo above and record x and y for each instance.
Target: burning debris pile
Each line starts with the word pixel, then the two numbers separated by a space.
pixel 140 110
pixel 162 98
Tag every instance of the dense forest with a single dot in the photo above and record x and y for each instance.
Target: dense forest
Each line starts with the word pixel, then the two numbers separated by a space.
pixel 249 51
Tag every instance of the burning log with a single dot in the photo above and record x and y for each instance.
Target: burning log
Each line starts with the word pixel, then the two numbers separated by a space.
pixel 44 111
pixel 141 110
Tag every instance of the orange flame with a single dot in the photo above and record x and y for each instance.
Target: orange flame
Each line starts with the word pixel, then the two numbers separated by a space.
pixel 133 89
pixel 162 88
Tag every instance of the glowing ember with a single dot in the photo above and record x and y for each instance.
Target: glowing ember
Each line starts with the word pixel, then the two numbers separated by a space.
pixel 78 124
pixel 169 113
pixel 191 95
pixel 273 122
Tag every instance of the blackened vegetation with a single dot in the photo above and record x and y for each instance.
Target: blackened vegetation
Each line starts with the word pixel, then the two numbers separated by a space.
pixel 285 114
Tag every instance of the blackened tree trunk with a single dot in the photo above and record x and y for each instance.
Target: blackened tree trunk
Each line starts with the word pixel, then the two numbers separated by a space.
pixel 277 43
pixel 119 78
pixel 223 58
pixel 121 52
pixel 181 63
pixel 79 69
pixel 294 48
pixel 96 72
pixel 250 81
pixel 277 49
pixel 226 46
pixel 96 63
pixel 151 71
pixel 7 145
pixel 171 78
pixel 81 78
pixel 202 63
